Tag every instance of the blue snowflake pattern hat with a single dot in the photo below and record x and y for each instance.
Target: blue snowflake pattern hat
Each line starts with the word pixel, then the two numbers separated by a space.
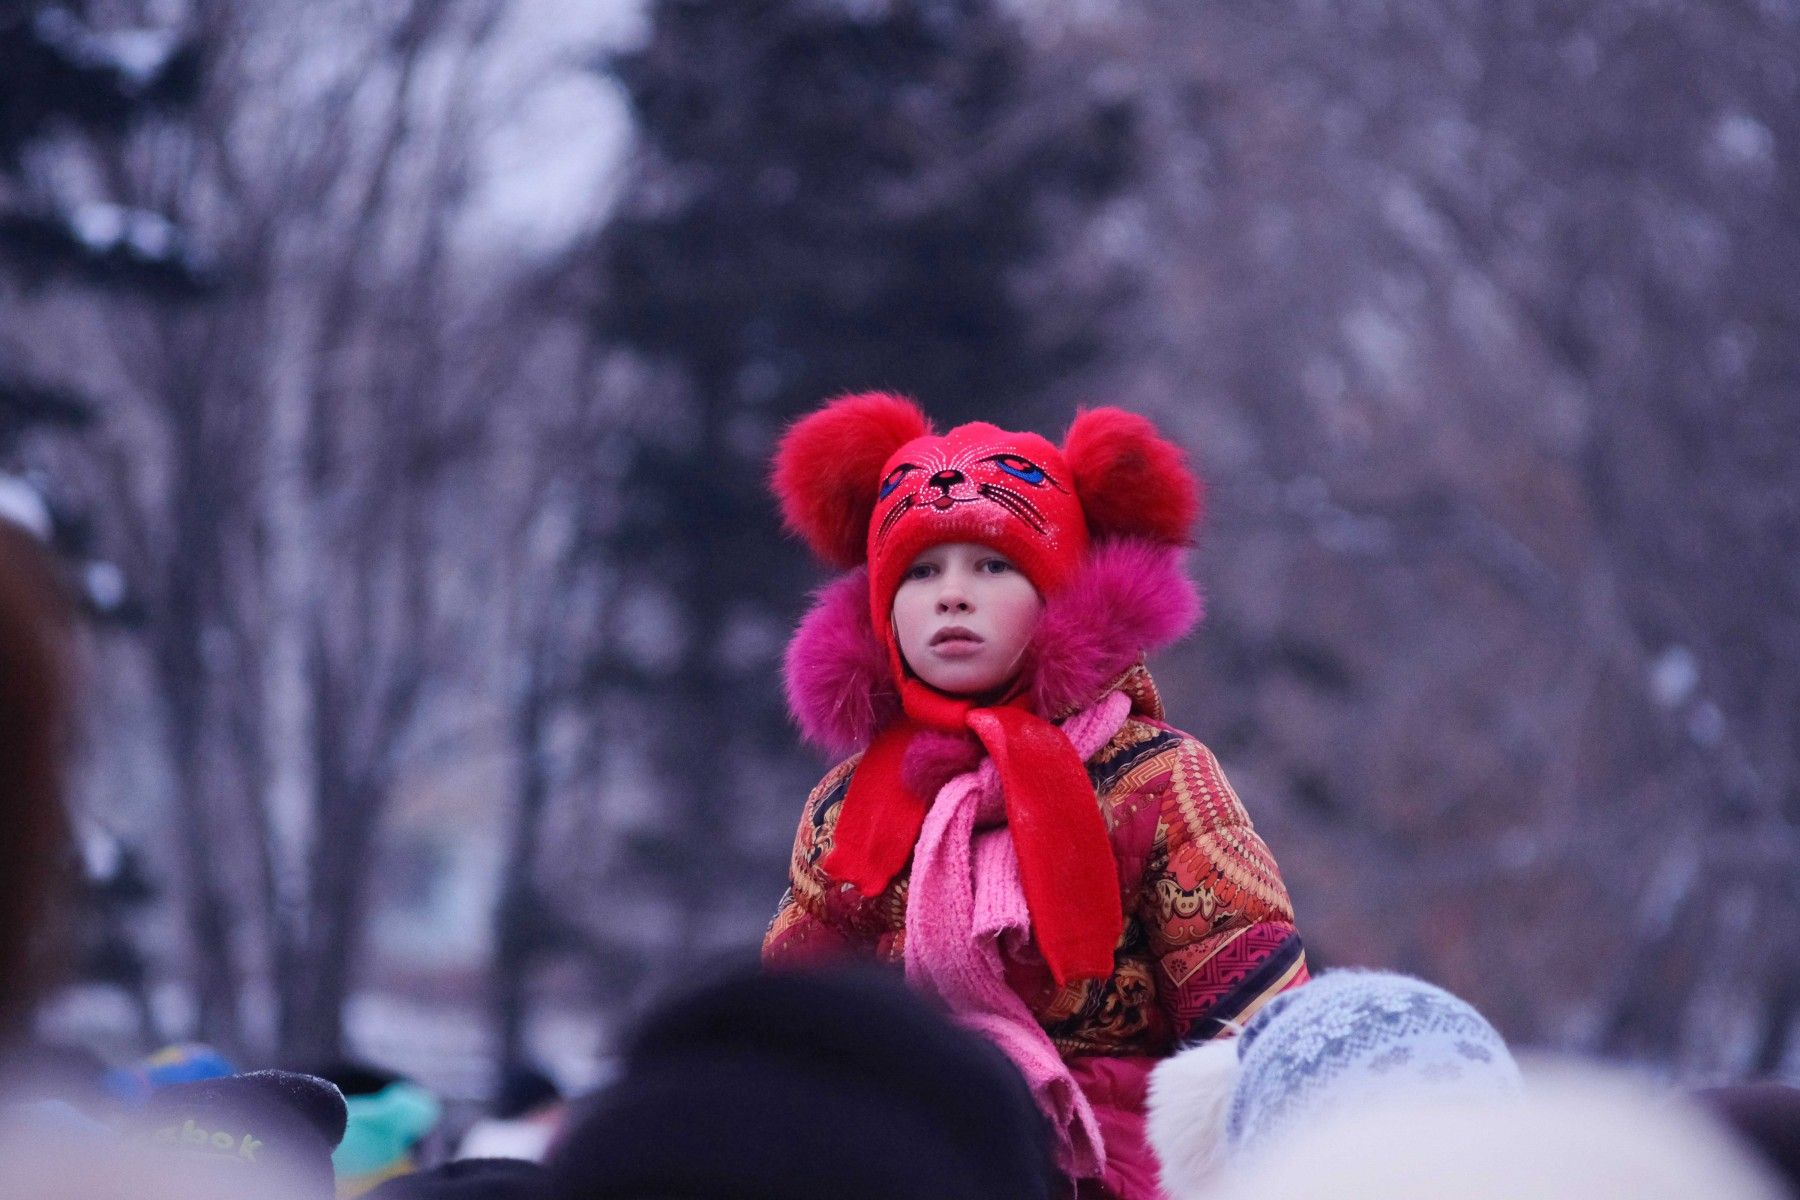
pixel 1348 1035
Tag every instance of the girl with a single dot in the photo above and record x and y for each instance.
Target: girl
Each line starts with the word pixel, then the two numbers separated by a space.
pixel 1016 825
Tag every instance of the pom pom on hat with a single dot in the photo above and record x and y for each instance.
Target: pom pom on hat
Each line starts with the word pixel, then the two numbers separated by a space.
pixel 1133 482
pixel 828 468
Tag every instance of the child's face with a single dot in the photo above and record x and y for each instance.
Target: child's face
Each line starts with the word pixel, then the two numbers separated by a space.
pixel 963 616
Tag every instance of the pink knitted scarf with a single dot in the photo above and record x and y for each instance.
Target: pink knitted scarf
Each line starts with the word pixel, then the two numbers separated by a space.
pixel 966 911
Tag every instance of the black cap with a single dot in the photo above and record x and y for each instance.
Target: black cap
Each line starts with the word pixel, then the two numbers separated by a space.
pixel 1766 1116
pixel 258 1127
pixel 354 1077
pixel 468 1179
pixel 522 1089
pixel 800 1085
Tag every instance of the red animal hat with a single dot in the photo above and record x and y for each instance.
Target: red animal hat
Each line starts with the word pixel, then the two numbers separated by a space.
pixel 1011 491
pixel 865 479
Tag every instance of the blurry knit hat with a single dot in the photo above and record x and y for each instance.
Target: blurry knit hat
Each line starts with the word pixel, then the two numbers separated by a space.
pixel 271 1130
pixel 1347 1034
pixel 1341 1039
pixel 468 1179
pixel 183 1062
pixel 804 1085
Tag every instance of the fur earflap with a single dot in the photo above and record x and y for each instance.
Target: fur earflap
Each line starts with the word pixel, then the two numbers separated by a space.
pixel 1190 1094
pixel 1132 481
pixel 828 469
pixel 840 688
pixel 1127 599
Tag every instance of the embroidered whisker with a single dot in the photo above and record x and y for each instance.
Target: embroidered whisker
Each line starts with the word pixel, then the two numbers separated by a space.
pixel 1016 504
pixel 893 514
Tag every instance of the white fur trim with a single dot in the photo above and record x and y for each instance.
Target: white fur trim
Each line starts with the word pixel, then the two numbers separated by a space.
pixel 1185 1117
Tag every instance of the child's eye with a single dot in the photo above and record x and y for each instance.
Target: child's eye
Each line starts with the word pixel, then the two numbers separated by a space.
pixel 920 571
pixel 996 566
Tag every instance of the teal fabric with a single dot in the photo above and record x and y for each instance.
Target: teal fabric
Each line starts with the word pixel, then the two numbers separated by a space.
pixel 383 1128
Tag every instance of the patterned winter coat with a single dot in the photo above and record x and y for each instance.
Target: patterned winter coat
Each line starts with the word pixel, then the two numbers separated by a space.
pixel 1209 931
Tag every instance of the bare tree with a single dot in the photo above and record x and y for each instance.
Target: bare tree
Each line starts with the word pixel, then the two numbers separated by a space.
pixel 556 482
pixel 1473 314
pixel 301 526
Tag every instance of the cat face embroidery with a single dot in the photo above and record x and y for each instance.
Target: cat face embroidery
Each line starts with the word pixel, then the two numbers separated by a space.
pixel 938 478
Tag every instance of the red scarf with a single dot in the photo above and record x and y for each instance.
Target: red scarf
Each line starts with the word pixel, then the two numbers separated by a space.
pixel 1065 854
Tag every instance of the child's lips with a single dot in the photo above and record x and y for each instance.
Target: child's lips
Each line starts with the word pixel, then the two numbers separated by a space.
pixel 956 642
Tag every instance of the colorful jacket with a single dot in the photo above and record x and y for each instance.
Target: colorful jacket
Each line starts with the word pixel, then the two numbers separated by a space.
pixel 1209 933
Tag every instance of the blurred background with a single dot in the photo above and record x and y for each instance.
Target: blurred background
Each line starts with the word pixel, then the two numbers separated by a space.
pixel 396 378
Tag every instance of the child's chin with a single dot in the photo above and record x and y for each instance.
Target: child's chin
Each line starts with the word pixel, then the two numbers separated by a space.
pixel 964 683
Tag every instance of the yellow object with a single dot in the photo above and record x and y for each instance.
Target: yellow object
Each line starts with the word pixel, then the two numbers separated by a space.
pixel 351 1186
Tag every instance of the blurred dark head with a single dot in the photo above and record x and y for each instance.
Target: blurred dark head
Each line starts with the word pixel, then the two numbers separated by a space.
pixel 1766 1116
pixel 354 1077
pixel 264 1132
pixel 524 1089
pixel 468 1179
pixel 792 1085
pixel 33 703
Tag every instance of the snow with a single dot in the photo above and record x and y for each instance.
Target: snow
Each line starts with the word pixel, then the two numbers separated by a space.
pixel 1742 140
pixel 102 857
pixel 105 585
pixel 21 504
pixel 1707 724
pixel 547 159
pixel 1675 682
pixel 1674 676
pixel 138 55
pixel 1674 878
pixel 106 227
pixel 1337 528
pixel 1377 340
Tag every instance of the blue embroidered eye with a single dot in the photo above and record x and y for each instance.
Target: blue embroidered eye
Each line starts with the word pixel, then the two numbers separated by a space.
pixel 1020 468
pixel 893 480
